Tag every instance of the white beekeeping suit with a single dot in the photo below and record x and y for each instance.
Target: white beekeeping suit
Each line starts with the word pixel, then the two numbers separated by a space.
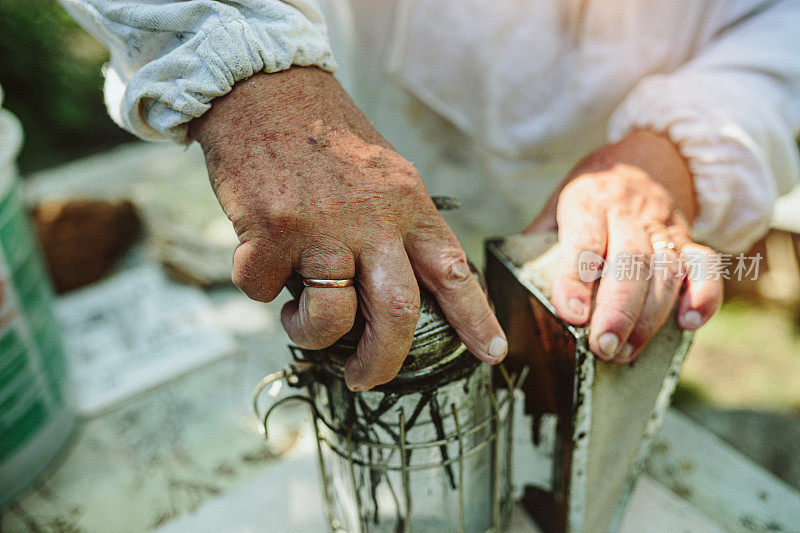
pixel 495 100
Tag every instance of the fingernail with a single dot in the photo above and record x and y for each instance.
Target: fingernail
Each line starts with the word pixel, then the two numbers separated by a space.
pixel 576 306
pixel 498 347
pixel 608 345
pixel 626 352
pixel 692 320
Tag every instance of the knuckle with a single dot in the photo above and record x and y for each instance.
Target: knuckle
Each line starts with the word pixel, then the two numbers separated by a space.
pixel 403 176
pixel 452 269
pixel 402 306
pixel 248 285
pixel 621 318
pixel 326 257
pixel 257 223
pixel 408 183
pixel 575 186
pixel 282 217
pixel 584 241
pixel 581 187
pixel 251 275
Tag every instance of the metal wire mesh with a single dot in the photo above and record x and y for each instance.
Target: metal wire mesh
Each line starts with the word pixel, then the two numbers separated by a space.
pixel 434 459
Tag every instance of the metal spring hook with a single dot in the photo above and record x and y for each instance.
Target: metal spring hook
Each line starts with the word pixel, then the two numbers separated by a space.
pixel 292 374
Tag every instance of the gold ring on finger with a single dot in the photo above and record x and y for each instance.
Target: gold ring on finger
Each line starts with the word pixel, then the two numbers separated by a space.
pixel 327 283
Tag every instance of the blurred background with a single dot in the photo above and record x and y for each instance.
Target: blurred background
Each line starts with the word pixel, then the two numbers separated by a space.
pixel 742 377
pixel 51 74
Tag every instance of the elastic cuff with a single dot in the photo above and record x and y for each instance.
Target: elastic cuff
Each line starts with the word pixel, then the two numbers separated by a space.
pixel 167 93
pixel 732 179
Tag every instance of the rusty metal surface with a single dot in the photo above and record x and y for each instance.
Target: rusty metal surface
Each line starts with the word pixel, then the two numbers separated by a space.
pixel 607 413
pixel 549 346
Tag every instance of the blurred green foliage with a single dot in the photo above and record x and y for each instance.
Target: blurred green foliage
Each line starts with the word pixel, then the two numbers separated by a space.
pixel 50 73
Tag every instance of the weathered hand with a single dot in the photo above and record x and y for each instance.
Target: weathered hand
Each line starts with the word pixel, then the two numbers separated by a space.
pixel 618 203
pixel 312 187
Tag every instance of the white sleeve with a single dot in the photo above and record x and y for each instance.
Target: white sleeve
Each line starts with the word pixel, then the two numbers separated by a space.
pixel 170 58
pixel 734 111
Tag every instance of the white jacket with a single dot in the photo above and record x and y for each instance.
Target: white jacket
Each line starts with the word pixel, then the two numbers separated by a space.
pixel 530 86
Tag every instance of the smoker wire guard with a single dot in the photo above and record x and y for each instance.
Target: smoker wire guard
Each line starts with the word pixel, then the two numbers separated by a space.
pixel 297 375
pixel 668 364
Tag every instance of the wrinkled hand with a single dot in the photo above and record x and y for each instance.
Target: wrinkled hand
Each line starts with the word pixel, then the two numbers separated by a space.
pixel 618 203
pixel 312 187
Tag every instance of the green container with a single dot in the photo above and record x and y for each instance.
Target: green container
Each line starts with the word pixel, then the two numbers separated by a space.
pixel 36 419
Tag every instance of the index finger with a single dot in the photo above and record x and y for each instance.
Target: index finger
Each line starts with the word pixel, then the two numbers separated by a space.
pixel 582 238
pixel 441 265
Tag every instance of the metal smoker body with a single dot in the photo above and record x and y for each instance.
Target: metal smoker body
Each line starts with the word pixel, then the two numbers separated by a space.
pixel 428 451
pixel 601 416
pixel 431 450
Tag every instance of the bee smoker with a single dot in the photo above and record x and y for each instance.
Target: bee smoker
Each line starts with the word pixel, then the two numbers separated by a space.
pixel 428 451
pixel 432 449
